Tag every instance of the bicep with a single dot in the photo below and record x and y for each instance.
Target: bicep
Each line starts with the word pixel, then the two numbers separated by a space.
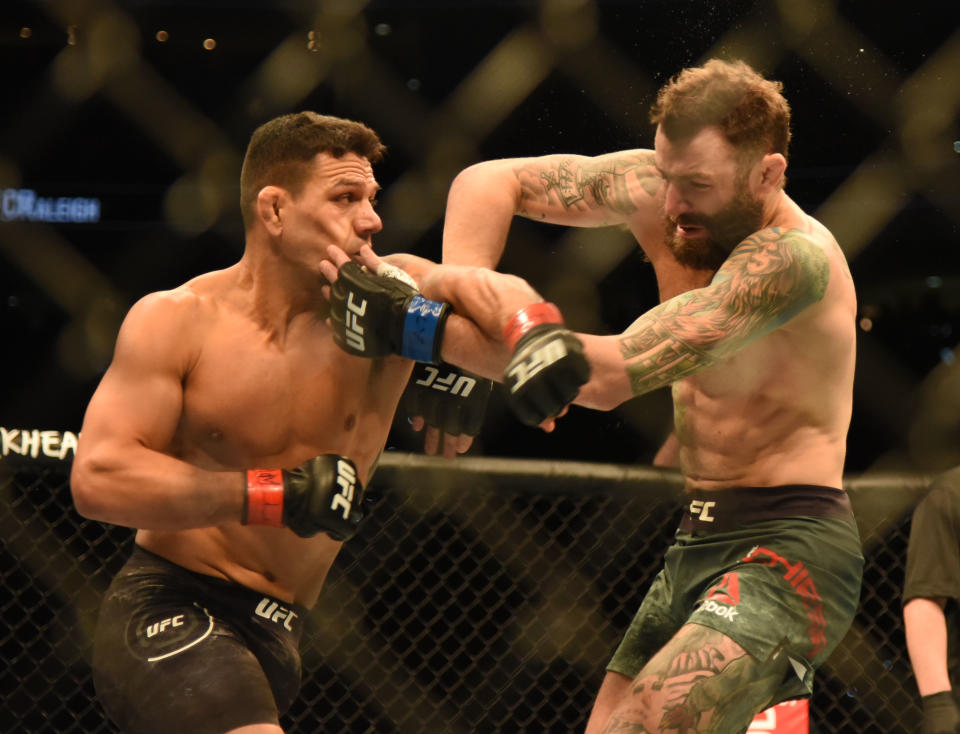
pixel 140 397
pixel 769 278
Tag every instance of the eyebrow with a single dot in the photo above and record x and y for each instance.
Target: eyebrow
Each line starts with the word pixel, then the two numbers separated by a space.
pixel 355 182
pixel 684 176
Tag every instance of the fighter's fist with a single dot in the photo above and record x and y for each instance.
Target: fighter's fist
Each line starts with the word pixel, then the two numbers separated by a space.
pixel 375 315
pixel 322 495
pixel 448 398
pixel 548 366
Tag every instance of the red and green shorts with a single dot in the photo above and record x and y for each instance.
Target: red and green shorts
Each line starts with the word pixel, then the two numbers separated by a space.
pixel 773 568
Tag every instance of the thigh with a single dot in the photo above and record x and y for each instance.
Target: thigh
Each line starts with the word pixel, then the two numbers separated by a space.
pixel 172 666
pixel 654 624
pixel 700 681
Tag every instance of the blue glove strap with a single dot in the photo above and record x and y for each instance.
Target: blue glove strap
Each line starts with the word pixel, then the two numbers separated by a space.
pixel 420 328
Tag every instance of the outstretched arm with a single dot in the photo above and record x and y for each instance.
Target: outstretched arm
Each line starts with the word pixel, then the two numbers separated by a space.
pixel 768 279
pixel 572 190
pixel 375 312
pixel 483 301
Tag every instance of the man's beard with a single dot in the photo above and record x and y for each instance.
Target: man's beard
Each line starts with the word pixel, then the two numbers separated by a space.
pixel 724 231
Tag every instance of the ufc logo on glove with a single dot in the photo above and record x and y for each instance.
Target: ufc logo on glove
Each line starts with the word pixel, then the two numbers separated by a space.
pixel 347 481
pixel 354 331
pixel 453 382
pixel 540 358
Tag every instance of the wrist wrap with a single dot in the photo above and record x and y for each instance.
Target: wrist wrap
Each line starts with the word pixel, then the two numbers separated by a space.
pixel 423 329
pixel 527 318
pixel 263 500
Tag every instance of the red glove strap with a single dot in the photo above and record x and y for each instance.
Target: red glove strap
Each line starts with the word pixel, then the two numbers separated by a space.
pixel 264 502
pixel 528 317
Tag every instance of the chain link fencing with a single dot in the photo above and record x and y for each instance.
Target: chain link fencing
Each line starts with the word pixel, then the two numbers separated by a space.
pixel 480 596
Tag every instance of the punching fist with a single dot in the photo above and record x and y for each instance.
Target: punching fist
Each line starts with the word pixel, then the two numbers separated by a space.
pixel 377 315
pixel 548 366
pixel 450 399
pixel 322 495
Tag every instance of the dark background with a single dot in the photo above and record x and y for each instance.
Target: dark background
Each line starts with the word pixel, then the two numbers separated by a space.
pixel 95 105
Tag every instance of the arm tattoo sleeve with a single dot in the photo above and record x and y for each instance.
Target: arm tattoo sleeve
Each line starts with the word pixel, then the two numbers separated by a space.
pixel 768 279
pixel 587 183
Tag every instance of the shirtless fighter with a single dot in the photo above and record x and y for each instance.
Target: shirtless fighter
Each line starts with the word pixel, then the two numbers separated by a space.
pixel 237 438
pixel 755 334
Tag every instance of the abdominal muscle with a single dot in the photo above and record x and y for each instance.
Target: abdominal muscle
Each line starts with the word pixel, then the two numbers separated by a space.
pixel 753 441
pixel 274 560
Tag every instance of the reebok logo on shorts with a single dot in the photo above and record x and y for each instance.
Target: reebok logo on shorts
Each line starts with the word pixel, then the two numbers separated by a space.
pixel 723 598
pixel 727 590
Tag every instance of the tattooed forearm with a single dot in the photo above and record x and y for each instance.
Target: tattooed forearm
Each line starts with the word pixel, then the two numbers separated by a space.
pixel 590 183
pixel 658 358
pixel 767 280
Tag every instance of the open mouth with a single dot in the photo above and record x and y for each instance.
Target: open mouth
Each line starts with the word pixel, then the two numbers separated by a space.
pixel 689 230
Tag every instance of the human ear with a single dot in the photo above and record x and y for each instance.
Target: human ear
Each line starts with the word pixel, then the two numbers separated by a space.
pixel 270 203
pixel 772 168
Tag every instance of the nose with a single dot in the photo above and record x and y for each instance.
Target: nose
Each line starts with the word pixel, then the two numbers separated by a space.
pixel 368 222
pixel 673 203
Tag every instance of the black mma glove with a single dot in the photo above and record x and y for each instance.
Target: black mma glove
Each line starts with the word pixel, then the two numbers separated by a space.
pixel 548 366
pixel 376 315
pixel 449 399
pixel 940 715
pixel 322 495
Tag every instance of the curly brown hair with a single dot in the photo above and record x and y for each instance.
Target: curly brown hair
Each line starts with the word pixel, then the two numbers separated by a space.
pixel 749 111
pixel 281 149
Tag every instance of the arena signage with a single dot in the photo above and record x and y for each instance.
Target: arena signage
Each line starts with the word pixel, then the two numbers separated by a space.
pixel 26 205
pixel 34 443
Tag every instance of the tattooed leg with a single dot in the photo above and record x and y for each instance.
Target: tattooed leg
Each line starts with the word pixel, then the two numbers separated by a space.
pixel 701 682
pixel 615 688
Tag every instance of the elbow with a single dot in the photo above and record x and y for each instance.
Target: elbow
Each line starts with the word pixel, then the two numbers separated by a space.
pixel 85 480
pixel 471 174
pixel 492 181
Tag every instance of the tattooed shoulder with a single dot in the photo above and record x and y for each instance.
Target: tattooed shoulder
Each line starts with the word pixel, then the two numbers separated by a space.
pixel 784 266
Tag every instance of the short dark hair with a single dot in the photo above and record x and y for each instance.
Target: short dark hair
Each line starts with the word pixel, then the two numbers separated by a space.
pixel 750 111
pixel 280 151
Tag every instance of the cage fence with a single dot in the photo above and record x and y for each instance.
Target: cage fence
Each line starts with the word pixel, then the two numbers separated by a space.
pixel 482 595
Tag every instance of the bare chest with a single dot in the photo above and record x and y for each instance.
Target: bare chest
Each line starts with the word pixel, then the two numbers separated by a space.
pixel 248 401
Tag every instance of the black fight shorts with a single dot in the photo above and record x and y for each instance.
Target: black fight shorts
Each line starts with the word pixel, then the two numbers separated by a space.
pixel 178 651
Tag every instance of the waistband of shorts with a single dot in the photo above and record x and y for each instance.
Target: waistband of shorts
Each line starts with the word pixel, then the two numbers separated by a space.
pixel 730 509
pixel 227 593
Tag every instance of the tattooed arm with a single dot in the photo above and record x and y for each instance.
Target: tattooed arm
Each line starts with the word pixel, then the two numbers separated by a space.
pixel 560 189
pixel 768 279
